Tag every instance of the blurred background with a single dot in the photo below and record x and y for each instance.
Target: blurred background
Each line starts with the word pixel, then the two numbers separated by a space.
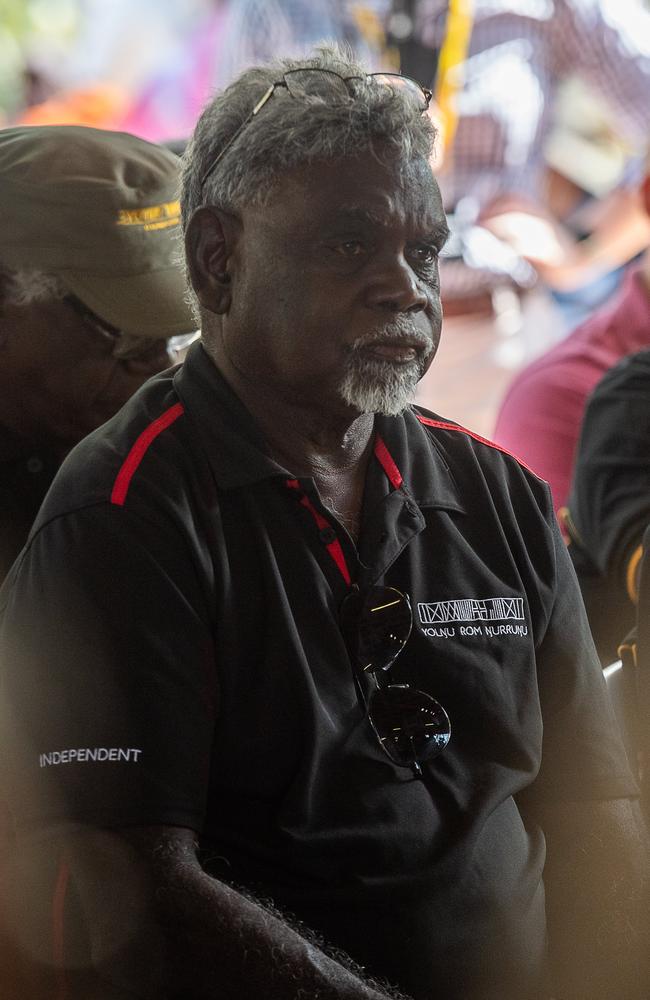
pixel 149 66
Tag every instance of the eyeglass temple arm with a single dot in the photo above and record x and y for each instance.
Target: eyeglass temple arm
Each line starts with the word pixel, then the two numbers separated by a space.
pixel 258 107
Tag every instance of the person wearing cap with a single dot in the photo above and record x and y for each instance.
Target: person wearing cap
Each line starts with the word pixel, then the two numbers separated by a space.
pixel 91 296
pixel 322 683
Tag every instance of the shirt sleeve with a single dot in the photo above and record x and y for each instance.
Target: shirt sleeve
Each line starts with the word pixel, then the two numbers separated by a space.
pixel 583 757
pixel 108 675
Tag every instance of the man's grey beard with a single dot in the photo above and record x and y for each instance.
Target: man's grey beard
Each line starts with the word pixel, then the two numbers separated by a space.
pixel 372 385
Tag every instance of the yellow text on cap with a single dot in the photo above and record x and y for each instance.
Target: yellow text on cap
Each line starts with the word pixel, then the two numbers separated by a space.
pixel 152 217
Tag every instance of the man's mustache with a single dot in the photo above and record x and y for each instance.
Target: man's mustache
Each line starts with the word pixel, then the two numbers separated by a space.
pixel 397 333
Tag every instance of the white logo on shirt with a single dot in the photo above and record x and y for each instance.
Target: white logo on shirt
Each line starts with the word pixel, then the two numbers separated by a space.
pixel 487 609
pixel 84 754
pixel 437 618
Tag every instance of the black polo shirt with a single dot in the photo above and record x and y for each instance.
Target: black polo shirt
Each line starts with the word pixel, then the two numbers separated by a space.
pixel 171 653
pixel 610 498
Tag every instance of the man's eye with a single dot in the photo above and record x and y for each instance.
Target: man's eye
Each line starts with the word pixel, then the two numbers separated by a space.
pixel 350 248
pixel 426 253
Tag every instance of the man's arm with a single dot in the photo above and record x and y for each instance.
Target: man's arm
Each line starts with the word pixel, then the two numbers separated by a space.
pixel 161 928
pixel 596 881
pixel 563 263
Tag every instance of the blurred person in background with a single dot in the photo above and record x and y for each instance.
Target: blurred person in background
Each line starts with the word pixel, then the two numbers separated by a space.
pixel 609 506
pixel 497 68
pixel 91 296
pixel 540 417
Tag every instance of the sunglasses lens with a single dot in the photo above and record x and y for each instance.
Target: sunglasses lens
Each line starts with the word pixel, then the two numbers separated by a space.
pixel 410 725
pixel 384 626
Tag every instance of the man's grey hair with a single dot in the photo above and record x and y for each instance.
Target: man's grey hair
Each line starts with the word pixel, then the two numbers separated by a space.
pixel 25 286
pixel 290 132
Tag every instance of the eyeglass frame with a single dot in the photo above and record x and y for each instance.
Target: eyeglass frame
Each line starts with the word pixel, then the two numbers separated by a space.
pixel 426 93
pixel 126 346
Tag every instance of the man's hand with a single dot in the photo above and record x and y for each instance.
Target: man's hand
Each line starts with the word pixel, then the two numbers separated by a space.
pixel 621 230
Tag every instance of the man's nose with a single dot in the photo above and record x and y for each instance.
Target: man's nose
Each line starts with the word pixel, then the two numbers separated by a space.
pixel 394 286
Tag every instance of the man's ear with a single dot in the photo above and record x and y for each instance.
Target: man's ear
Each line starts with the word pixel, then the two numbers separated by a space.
pixel 209 242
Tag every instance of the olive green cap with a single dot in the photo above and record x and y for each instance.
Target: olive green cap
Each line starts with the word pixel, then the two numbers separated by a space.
pixel 100 210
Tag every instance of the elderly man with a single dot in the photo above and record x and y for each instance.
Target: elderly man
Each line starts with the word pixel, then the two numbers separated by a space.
pixel 322 682
pixel 91 296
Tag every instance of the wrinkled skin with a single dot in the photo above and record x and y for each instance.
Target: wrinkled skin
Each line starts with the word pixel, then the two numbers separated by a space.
pixel 342 252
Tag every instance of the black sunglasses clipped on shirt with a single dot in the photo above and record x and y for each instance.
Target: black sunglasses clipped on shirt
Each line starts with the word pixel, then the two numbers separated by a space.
pixel 410 725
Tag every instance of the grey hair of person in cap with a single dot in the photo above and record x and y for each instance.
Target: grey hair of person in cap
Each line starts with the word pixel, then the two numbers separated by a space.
pixel 290 132
pixel 24 286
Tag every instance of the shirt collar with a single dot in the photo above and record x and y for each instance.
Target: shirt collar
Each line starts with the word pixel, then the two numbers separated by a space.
pixel 232 441
pixel 427 478
pixel 236 450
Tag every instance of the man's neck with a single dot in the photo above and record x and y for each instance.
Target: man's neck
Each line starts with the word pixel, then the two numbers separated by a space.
pixel 307 437
pixel 336 458
pixel 308 446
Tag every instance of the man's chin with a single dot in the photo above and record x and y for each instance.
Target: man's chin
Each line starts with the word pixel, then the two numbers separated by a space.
pixel 376 387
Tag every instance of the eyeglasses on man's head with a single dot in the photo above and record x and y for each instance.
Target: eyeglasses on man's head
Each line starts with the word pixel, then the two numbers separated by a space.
pixel 324 83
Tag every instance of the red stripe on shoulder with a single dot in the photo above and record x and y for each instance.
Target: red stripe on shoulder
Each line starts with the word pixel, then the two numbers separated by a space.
pixel 477 437
pixel 139 450
pixel 387 463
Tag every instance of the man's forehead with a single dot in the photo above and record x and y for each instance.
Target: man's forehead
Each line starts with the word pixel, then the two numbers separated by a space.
pixel 376 199
pixel 361 190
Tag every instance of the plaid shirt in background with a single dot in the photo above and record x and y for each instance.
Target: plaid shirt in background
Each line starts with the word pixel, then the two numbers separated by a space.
pixel 519 51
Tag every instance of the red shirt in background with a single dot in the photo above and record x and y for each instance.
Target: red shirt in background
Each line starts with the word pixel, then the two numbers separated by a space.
pixel 540 416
